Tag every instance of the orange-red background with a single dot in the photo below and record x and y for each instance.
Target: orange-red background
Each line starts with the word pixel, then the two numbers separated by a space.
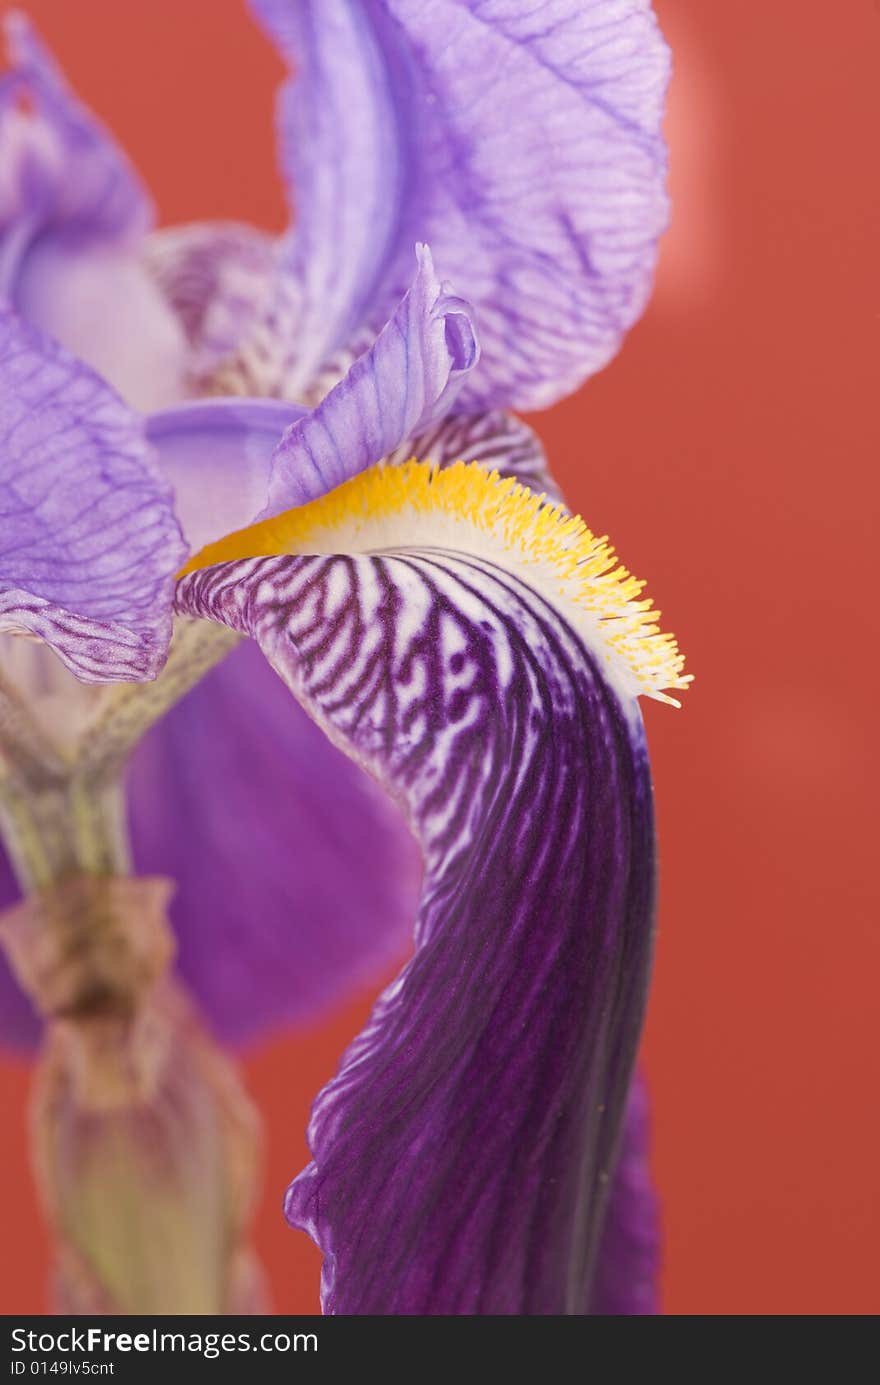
pixel 731 452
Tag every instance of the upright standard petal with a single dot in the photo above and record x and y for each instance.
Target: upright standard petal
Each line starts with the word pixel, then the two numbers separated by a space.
pixel 88 539
pixel 479 653
pixel 73 214
pixel 408 377
pixel 295 881
pixel 521 141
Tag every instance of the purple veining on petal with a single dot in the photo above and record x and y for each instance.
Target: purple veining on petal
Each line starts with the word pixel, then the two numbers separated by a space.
pixel 217 454
pixel 73 214
pixel 499 442
pixel 19 1024
pixel 88 539
pixel 408 377
pixel 296 882
pixel 461 1156
pixel 62 173
pixel 523 143
pixel 628 1263
pixel 216 276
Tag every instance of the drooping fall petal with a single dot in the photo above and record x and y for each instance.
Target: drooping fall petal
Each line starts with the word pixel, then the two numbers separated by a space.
pixel 462 1156
pixel 88 539
pixel 628 1263
pixel 459 1153
pixel 266 936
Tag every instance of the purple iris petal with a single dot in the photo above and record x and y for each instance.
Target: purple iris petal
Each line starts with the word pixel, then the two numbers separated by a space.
pixel 461 1157
pixel 409 376
pixel 522 142
pixel 216 276
pixel 72 218
pixel 627 1267
pixel 498 441
pixel 103 306
pixel 295 880
pixel 88 539
pixel 63 175
pixel 217 454
pixel 19 1025
pixel 348 175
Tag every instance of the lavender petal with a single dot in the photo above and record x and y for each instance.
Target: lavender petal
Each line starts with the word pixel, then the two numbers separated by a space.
pixel 88 539
pixel 216 278
pixel 63 175
pixel 409 377
pixel 522 142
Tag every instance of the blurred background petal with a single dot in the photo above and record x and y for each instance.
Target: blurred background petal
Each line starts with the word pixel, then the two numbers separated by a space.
pixel 297 882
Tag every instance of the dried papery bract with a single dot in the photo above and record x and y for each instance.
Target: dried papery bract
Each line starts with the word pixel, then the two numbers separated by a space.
pixel 146 1147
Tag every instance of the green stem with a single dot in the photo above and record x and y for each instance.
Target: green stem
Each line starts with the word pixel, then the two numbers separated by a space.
pixel 146 1148
pixel 62 809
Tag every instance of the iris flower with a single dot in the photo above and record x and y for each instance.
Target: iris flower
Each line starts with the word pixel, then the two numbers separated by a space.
pixel 290 462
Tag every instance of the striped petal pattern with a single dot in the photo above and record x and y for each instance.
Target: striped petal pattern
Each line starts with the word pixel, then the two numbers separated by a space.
pixel 73 215
pixel 295 881
pixel 497 441
pixel 461 1156
pixel 217 454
